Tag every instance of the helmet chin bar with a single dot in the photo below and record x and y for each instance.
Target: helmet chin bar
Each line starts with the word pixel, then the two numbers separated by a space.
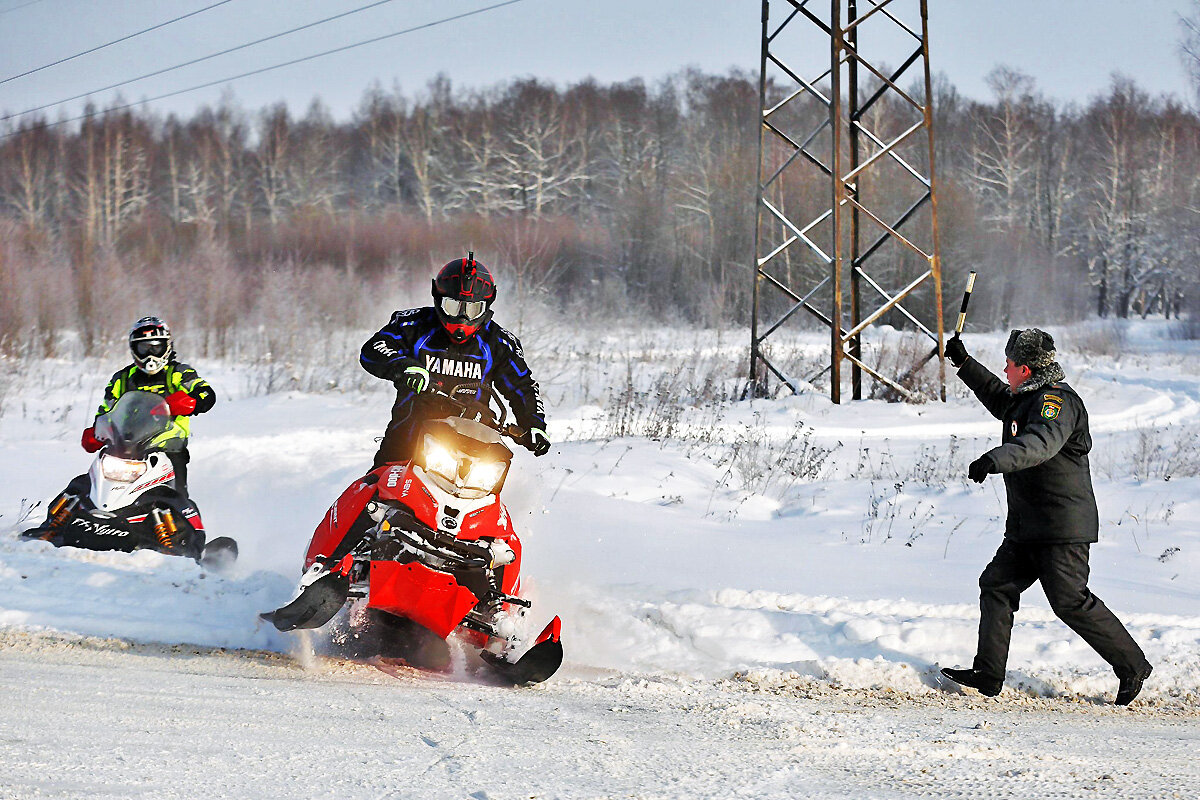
pixel 152 365
pixel 460 332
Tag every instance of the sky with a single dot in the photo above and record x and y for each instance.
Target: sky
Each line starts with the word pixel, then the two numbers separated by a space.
pixel 1071 47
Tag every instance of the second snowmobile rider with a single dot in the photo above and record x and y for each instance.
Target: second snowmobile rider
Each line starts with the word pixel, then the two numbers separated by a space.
pixel 456 346
pixel 156 369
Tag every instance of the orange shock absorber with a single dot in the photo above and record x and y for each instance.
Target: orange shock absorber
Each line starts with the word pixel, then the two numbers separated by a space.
pixel 161 529
pixel 58 504
pixel 59 512
pixel 169 520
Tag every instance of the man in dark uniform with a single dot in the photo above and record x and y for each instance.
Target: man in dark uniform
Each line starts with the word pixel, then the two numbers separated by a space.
pixel 1052 517
pixel 456 347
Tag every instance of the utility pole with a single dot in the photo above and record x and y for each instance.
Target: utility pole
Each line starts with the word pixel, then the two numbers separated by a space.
pixel 846 190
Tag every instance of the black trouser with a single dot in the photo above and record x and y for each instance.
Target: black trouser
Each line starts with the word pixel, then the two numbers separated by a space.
pixel 400 439
pixel 179 461
pixel 399 444
pixel 1063 572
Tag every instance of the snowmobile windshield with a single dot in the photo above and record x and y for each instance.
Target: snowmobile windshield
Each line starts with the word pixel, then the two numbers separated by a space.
pixel 463 457
pixel 136 419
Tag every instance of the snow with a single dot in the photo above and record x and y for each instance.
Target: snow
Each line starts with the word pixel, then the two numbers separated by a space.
pixel 728 632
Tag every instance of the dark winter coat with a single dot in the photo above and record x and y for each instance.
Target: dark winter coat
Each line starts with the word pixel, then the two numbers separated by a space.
pixel 1043 457
pixel 492 357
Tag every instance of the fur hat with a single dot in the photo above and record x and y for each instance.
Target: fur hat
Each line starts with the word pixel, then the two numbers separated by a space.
pixel 1032 347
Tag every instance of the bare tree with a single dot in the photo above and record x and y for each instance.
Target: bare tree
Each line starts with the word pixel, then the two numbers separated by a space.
pixel 273 159
pixel 1189 46
pixel 539 165
pixel 27 167
pixel 314 171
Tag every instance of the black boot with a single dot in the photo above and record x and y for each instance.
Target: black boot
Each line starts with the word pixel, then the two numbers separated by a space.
pixel 1131 685
pixel 988 687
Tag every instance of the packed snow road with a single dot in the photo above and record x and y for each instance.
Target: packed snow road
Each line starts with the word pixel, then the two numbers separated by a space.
pixel 101 719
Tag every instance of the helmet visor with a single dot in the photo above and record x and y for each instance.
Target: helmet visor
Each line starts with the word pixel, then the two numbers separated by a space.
pixel 466 309
pixel 144 348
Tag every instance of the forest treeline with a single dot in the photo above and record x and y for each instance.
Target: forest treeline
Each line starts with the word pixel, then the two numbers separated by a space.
pixel 611 200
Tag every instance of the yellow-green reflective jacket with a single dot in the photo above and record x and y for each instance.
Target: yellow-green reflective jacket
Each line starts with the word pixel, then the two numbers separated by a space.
pixel 175 377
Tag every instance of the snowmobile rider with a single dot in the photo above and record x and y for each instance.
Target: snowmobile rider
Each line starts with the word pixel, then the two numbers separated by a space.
pixel 457 347
pixel 1052 516
pixel 156 369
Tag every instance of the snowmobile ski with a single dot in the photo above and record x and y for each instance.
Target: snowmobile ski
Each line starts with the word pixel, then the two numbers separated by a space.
pixel 537 664
pixel 317 604
pixel 219 554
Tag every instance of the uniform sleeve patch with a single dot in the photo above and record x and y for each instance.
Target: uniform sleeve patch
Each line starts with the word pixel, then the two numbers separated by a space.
pixel 1050 408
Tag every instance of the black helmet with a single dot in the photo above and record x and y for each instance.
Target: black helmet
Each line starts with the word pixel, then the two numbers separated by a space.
pixel 463 292
pixel 151 345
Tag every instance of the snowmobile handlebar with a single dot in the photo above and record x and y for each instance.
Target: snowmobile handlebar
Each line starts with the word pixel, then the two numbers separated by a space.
pixel 481 412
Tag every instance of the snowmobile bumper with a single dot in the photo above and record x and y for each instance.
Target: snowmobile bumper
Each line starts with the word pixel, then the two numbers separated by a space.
pixel 432 599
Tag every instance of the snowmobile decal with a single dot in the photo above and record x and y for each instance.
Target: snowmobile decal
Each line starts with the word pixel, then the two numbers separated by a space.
pixel 98 529
pixel 383 348
pixel 454 368
pixel 156 482
pixel 394 477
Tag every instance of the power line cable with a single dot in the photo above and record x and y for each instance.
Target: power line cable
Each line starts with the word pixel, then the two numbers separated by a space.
pixel 23 5
pixel 208 57
pixel 268 69
pixel 114 41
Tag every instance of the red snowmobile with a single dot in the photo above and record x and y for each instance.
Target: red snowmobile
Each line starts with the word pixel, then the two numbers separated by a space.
pixel 431 549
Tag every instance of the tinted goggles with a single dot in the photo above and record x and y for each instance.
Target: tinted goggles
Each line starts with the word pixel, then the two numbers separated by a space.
pixel 150 347
pixel 466 309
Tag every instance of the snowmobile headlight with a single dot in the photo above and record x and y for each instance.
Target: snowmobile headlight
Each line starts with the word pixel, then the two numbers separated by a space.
pixel 440 459
pixel 120 470
pixel 485 475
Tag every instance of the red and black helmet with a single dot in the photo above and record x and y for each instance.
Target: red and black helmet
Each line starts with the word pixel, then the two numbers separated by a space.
pixel 463 292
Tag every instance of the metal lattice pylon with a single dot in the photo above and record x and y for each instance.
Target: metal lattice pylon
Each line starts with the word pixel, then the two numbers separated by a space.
pixel 846 186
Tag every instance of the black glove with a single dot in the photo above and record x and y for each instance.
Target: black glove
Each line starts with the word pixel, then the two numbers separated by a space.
pixel 413 378
pixel 956 351
pixel 536 441
pixel 980 468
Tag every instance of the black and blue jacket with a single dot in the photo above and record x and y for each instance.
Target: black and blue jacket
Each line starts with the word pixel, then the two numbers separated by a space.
pixel 492 357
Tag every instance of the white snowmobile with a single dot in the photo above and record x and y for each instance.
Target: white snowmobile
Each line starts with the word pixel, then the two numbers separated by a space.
pixel 128 499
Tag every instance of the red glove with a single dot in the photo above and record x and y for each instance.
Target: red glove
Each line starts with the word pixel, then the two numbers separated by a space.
pixel 181 404
pixel 89 441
